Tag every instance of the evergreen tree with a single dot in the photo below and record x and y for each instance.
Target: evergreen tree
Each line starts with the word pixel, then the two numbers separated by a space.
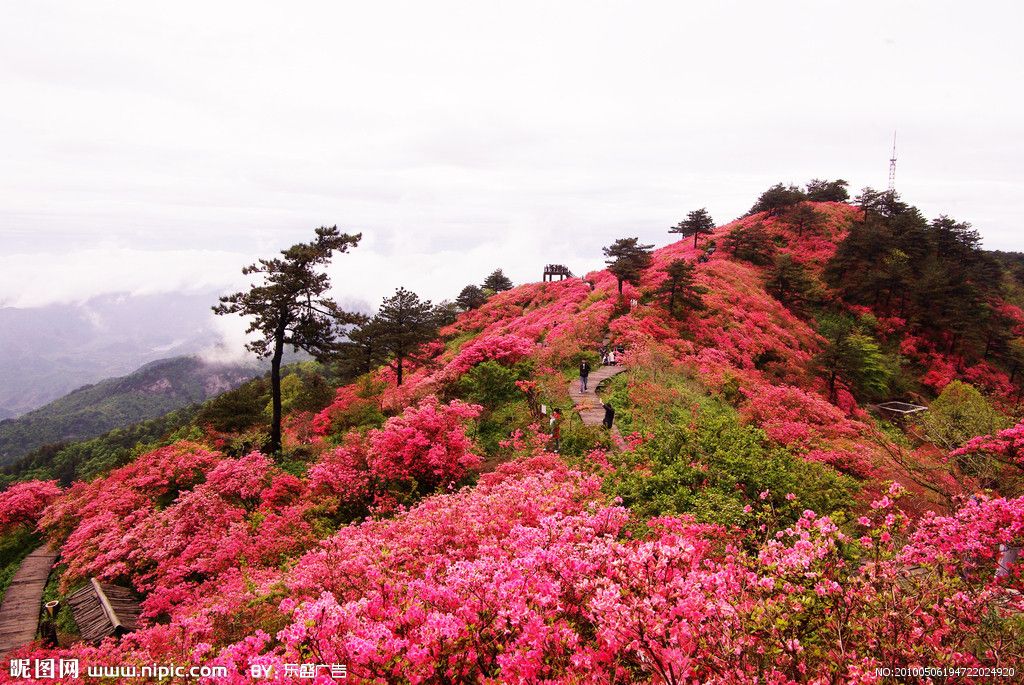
pixel 933 274
pixel 682 293
pixel 803 217
pixel 697 223
pixel 777 198
pixel 790 282
pixel 853 356
pixel 750 243
pixel 471 297
pixel 360 352
pixel 497 282
pixel 884 203
pixel 288 307
pixel 827 191
pixel 445 313
pixel 627 259
pixel 403 324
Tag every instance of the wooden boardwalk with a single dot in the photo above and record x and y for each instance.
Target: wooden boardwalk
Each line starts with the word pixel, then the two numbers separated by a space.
pixel 19 612
pixel 588 404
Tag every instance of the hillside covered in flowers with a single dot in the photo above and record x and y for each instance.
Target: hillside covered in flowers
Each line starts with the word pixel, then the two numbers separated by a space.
pixel 760 520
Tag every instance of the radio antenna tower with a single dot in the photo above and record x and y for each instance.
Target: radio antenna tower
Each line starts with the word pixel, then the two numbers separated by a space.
pixel 892 165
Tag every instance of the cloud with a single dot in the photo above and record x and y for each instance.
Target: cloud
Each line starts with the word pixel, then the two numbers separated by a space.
pixel 41 278
pixel 160 149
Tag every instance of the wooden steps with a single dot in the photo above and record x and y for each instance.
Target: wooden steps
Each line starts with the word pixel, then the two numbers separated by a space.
pixel 19 612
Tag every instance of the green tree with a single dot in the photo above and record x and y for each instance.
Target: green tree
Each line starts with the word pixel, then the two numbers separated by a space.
pixel 289 307
pixel 697 223
pixel 403 324
pixel 777 198
pixel 471 297
pixel 359 353
pixel 803 217
pixel 446 312
pixel 790 283
pixel 682 293
pixel 958 414
pixel 303 390
pixel 853 356
pixel 626 259
pixel 827 191
pixel 1015 356
pixel 497 282
pixel 750 243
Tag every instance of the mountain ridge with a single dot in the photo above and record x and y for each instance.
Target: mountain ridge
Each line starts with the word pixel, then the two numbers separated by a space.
pixel 154 389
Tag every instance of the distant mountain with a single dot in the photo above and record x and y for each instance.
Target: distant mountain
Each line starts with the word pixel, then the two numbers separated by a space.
pixel 49 351
pixel 153 390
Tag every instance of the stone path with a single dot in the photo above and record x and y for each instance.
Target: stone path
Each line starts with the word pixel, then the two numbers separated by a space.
pixel 19 612
pixel 588 404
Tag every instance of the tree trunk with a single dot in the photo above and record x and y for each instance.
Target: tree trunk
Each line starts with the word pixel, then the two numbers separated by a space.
pixel 620 286
pixel 274 445
pixel 398 368
pixel 695 239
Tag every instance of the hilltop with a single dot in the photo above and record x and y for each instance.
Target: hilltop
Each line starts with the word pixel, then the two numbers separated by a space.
pixel 153 390
pixel 761 519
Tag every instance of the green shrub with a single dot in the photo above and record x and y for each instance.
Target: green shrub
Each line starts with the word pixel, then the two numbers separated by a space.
pixel 491 384
pixel 711 466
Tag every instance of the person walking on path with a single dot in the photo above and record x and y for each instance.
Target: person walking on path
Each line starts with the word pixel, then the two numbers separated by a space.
pixel 609 415
pixel 584 373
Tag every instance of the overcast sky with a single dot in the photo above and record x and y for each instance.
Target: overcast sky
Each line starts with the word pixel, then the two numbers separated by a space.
pixel 150 147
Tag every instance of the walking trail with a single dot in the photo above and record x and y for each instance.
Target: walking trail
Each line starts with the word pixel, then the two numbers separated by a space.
pixel 588 404
pixel 19 612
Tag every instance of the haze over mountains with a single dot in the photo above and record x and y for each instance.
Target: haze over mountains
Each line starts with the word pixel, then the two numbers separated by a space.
pixel 51 350
pixel 149 392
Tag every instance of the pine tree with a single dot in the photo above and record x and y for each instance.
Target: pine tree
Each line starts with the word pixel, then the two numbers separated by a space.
pixel 497 282
pixel 853 356
pixel 288 307
pixel 471 297
pixel 827 191
pixel 776 199
pixel 403 324
pixel 696 223
pixel 790 282
pixel 750 243
pixel 359 354
pixel 683 294
pixel 627 259
pixel 803 217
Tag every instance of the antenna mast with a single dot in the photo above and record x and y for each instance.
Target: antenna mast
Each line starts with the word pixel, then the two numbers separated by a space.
pixel 892 165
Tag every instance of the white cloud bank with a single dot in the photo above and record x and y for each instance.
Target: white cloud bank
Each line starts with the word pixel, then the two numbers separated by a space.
pixel 155 148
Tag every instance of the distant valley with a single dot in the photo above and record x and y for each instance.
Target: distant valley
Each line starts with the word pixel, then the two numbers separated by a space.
pixel 49 351
pixel 151 391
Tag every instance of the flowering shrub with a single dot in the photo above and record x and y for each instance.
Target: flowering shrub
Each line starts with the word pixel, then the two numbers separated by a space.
pixel 23 503
pixel 427 443
pixel 703 550
pixel 791 416
pixel 503 348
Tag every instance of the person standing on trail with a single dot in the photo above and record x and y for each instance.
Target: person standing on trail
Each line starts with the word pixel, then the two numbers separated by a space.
pixel 584 373
pixel 609 415
pixel 556 429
